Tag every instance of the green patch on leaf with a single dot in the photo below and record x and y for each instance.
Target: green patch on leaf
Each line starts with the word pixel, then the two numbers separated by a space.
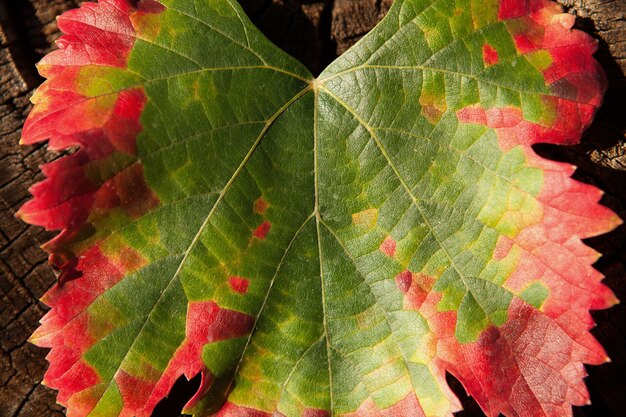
pixel 535 295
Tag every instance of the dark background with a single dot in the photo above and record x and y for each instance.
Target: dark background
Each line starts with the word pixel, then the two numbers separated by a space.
pixel 315 32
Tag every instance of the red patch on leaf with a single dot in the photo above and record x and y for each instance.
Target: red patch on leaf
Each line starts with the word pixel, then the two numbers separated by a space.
pixel 524 44
pixel 65 265
pixel 262 231
pixel 64 200
pixel 135 393
pixel 388 247
pixel 575 79
pixel 573 73
pixel 416 287
pixel 71 300
pixel 408 406
pixel 77 378
pixel 508 371
pixel 206 323
pixel 150 6
pixel 511 9
pixel 513 130
pixel 81 189
pixel 232 410
pixel 310 412
pixel 84 401
pixel 260 205
pixel 490 55
pixel 554 253
pixel 404 280
pixel 239 284
pixel 96 33
pixel 503 247
pixel 68 301
pixel 65 328
pixel 570 209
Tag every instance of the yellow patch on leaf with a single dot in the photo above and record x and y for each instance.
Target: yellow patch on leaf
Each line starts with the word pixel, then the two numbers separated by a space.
pixel 366 218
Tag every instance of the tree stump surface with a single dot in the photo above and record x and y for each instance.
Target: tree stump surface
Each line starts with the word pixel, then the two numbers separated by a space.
pixel 314 32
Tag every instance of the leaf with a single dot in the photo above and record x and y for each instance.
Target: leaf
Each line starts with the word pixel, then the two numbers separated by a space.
pixel 315 247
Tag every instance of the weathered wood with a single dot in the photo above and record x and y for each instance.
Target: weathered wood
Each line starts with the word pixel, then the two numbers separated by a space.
pixel 315 32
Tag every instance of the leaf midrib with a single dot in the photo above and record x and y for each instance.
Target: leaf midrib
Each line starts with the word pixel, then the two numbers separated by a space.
pixel 318 220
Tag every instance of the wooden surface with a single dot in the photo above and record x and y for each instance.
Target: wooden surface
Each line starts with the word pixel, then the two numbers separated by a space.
pixel 315 32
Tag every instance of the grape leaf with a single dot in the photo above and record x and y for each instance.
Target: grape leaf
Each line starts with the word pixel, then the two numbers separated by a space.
pixel 318 246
